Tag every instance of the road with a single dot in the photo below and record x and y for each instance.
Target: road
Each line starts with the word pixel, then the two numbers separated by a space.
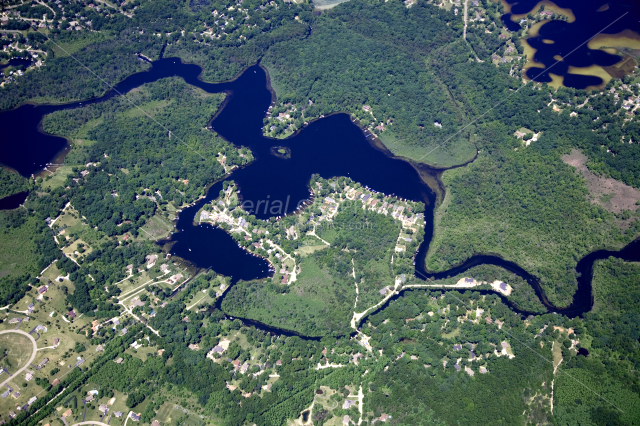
pixel 464 32
pixel 33 354
pixel 90 423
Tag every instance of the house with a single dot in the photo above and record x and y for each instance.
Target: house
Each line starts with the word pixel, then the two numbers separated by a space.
pixel 12 414
pixel 366 108
pixel 194 347
pixel 56 341
pixel 468 280
pixel 137 303
pixel 348 403
pixel 346 420
pixel 99 348
pixel 71 314
pixel 384 290
pixel 42 289
pixel 32 400
pixel 16 395
pixel 483 370
pixel 118 361
pixel 217 349
pixel 155 423
pixel 89 398
pixel 457 366
pixel 164 268
pixel 103 408
pixel 55 382
pixel 244 368
pixel 175 278
pixel 4 20
pixel 14 320
pixel 28 376
pixel 151 260
pixel 118 414
pixel 135 417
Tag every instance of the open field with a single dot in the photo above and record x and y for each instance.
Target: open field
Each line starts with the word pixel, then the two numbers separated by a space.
pixel 57 179
pixel 15 351
pixel 611 194
pixel 156 227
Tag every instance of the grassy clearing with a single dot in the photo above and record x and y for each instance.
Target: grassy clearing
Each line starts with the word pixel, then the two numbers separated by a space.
pixel 315 304
pixel 58 178
pixel 307 250
pixel 146 109
pixel 15 351
pixel 83 131
pixel 457 153
pixel 156 227
pixel 74 247
pixel 454 333
pixel 136 281
pixel 64 49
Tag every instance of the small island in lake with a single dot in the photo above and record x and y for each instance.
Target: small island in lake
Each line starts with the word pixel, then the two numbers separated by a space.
pixel 281 152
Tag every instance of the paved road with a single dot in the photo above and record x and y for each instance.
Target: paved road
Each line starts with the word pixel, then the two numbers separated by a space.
pixel 90 423
pixel 33 354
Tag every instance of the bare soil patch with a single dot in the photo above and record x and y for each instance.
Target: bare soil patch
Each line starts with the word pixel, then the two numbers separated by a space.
pixel 611 194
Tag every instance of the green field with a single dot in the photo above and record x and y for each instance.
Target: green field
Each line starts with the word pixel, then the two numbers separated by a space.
pixel 15 351
pixel 312 305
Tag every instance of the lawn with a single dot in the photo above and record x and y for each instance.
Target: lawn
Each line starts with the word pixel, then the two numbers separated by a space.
pixel 15 351
pixel 58 178
pixel 307 250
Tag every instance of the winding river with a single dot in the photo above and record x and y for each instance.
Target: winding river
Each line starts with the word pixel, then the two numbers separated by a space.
pixel 331 146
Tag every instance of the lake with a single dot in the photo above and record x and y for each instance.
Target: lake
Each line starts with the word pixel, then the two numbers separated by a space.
pixel 331 146
pixel 591 25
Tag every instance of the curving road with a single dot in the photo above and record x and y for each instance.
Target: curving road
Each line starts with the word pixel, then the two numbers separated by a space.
pixel 33 354
pixel 90 423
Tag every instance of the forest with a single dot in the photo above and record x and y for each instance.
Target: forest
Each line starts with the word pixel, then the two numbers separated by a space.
pixel 127 181
pixel 613 351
